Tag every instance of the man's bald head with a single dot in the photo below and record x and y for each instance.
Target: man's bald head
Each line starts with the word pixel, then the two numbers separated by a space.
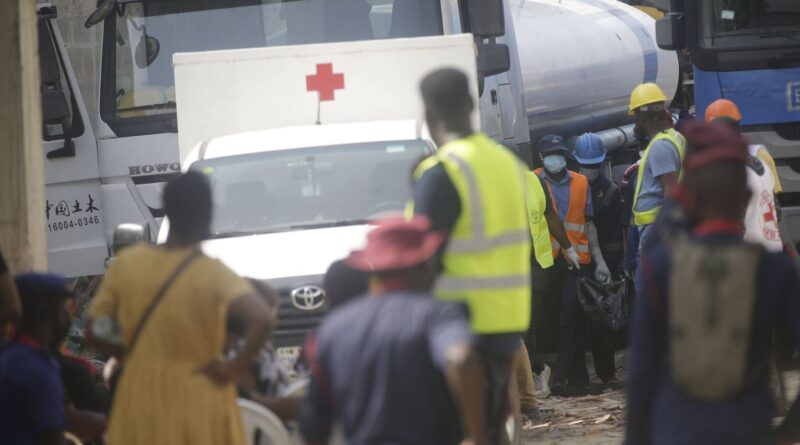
pixel 448 103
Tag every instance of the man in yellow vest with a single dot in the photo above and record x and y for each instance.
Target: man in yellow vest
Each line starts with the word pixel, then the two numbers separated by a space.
pixel 660 166
pixel 572 199
pixel 545 227
pixel 474 190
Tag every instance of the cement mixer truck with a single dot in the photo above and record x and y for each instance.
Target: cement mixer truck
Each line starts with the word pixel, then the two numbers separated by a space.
pixel 543 66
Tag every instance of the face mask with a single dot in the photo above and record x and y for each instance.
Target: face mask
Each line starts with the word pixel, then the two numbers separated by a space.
pixel 555 163
pixel 591 173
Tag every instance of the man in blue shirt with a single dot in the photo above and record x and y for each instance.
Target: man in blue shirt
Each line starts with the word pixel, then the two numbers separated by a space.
pixel 31 393
pixel 700 343
pixel 572 199
pixel 397 366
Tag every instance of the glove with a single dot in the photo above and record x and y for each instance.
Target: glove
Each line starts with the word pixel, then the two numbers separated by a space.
pixel 573 258
pixel 602 274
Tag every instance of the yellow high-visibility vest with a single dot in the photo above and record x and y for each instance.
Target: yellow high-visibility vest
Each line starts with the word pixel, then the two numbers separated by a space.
pixel 540 233
pixel 646 217
pixel 487 258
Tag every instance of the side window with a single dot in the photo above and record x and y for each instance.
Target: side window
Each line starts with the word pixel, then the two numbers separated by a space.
pixel 58 104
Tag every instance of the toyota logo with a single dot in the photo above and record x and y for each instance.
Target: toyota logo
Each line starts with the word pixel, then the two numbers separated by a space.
pixel 308 298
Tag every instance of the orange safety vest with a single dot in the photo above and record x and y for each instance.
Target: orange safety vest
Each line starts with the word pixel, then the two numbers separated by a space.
pixel 575 221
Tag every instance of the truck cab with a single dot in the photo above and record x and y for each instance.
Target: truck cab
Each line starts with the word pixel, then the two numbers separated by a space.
pixel 748 52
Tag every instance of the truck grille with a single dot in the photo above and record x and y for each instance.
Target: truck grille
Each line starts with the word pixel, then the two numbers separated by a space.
pixel 789 131
pixel 295 324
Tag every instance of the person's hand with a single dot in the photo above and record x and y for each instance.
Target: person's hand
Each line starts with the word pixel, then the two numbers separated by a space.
pixel 627 274
pixel 573 258
pixel 601 273
pixel 219 372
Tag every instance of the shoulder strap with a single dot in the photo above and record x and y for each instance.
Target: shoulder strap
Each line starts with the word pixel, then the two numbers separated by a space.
pixel 158 297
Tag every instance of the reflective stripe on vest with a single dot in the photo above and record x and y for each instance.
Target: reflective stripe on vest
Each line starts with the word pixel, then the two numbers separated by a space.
pixel 487 258
pixel 540 233
pixel 646 217
pixel 575 219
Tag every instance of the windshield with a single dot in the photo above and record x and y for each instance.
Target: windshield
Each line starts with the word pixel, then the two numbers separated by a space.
pixel 744 24
pixel 147 33
pixel 311 187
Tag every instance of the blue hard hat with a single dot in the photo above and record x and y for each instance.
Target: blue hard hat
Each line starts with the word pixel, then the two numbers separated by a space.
pixel 552 144
pixel 589 149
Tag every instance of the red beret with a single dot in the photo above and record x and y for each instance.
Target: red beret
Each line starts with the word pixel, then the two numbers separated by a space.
pixel 713 144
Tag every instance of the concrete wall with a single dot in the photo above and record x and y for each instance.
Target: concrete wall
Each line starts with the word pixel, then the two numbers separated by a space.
pixel 83 47
pixel 22 225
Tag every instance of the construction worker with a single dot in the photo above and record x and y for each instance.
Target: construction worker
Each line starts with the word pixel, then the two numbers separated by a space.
pixel 609 213
pixel 609 219
pixel 474 190
pixel 571 198
pixel 660 166
pixel 761 220
pixel 702 330
pixel 545 226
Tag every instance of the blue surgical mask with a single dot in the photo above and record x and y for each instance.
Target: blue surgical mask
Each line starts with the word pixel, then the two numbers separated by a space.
pixel 591 173
pixel 554 163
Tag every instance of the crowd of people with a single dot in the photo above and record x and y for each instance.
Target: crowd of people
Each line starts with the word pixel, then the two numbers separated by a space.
pixel 435 328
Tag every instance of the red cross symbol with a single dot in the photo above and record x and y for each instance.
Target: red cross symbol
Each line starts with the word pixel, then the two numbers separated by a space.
pixel 325 82
pixel 770 215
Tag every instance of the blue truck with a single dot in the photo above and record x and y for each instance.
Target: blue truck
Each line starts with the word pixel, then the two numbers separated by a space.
pixel 747 51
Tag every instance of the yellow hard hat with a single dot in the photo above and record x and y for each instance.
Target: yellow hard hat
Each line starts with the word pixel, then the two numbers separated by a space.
pixel 646 94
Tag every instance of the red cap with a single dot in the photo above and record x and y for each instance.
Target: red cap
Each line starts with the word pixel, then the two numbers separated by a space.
pixel 397 244
pixel 709 145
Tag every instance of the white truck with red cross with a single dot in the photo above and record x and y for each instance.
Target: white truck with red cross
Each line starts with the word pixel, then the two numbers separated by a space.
pixel 298 173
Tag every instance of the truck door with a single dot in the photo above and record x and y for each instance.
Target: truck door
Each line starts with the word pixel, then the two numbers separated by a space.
pixel 76 242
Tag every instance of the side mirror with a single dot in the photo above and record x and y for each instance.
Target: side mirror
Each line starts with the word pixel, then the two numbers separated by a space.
pixel 54 106
pixel 670 32
pixel 146 51
pixel 486 18
pixel 493 58
pixel 128 234
pixel 55 111
pixel 100 13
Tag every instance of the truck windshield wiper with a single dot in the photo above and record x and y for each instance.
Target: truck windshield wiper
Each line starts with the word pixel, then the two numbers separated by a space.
pixel 238 233
pixel 163 106
pixel 791 35
pixel 323 224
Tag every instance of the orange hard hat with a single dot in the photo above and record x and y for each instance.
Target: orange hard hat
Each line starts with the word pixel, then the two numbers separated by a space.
pixel 723 108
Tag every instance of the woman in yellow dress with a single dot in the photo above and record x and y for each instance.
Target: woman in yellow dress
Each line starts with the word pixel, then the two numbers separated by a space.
pixel 175 388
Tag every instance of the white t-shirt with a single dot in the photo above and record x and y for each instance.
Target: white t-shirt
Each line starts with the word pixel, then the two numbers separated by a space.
pixel 761 220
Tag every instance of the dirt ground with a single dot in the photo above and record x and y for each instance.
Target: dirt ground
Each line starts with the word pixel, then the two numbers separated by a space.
pixel 579 420
pixel 595 419
pixel 599 419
